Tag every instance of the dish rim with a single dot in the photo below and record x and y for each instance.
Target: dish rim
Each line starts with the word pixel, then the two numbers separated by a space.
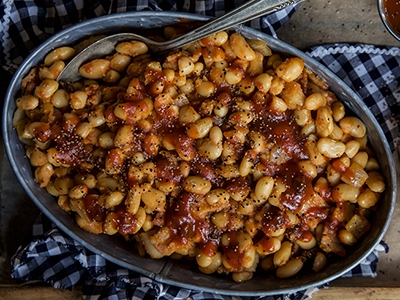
pixel 63 36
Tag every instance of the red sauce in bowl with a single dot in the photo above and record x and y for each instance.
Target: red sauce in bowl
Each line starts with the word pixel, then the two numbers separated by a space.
pixel 391 9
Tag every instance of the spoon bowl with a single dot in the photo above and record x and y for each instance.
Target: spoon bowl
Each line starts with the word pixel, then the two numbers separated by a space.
pixel 104 46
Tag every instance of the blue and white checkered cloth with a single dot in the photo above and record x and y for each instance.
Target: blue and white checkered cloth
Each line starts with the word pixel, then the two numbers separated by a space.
pixel 373 72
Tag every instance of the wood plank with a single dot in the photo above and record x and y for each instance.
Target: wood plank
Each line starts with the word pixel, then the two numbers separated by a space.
pixel 38 293
pixel 351 293
pixel 358 293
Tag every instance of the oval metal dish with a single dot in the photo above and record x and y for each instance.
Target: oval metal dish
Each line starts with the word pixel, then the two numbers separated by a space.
pixel 181 273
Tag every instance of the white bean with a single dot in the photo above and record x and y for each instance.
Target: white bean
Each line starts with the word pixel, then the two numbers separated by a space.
pixel 291 268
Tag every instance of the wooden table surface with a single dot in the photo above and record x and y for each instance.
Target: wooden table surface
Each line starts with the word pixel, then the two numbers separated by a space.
pixel 315 23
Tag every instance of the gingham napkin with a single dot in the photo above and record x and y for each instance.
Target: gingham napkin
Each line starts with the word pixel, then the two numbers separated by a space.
pixel 26 24
pixel 57 259
pixel 52 256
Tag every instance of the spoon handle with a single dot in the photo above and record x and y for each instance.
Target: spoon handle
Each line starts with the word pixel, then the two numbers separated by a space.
pixel 245 12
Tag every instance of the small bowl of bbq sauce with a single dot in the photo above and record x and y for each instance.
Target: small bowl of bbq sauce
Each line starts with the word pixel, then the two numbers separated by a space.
pixel 389 11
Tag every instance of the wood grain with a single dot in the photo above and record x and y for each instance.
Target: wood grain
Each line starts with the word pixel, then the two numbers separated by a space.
pixel 351 293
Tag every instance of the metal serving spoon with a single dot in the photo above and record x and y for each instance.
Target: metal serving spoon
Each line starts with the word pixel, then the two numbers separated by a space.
pixel 245 12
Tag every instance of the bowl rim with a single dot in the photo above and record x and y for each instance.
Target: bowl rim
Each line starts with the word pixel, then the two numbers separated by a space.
pixel 385 21
pixel 63 35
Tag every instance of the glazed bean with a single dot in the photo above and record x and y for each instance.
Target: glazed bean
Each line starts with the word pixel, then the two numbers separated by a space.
pixel 315 101
pixel 368 198
pixel 113 199
pixel 330 148
pixel 307 245
pixel 345 192
pixel 78 191
pixel 302 116
pixel 263 82
pixel 52 71
pixel 185 66
pixel 205 88
pixel 120 62
pixel 197 185
pixel 46 89
pixel 43 174
pixel 361 158
pixel 290 69
pixel 83 129
pixel 324 122
pixel 63 184
pixel 353 126
pixel 347 238
pixel 95 69
pixel 242 276
pixel 209 149
pixel 200 128
pixel 132 48
pixel 60 98
pixel 293 95
pixel 264 188
pixel 187 115
pixel 320 262
pixel 338 111
pixel 376 182
pixel 62 53
pixel 291 268
pixel 214 265
pixel 282 256
pixel 241 48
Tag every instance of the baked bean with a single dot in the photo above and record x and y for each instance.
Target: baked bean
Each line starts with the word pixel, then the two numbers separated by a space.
pixel 62 53
pixel 320 262
pixel 256 65
pixel 113 199
pixel 242 276
pixel 263 82
pixel 361 158
pixel 200 128
pixel 197 185
pixel 216 262
pixel 78 100
pixel 330 148
pixel 368 198
pixel 353 126
pixel 302 116
pixel 43 174
pixel 95 69
pixel 376 182
pixel 315 101
pixel 46 89
pixel 307 245
pixel 291 268
pixel 293 95
pixel 187 115
pixel 324 122
pixel 205 88
pixel 63 184
pixel 290 69
pixel 120 62
pixel 53 71
pixel 352 148
pixel 78 191
pixel 338 111
pixel 345 192
pixel 132 48
pixel 264 188
pixel 282 256
pixel 347 238
pixel 241 48
pixel 60 98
